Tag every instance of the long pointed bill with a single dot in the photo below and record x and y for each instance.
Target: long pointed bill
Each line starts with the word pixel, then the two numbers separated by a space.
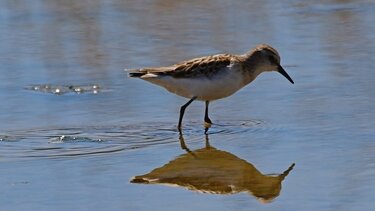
pixel 282 72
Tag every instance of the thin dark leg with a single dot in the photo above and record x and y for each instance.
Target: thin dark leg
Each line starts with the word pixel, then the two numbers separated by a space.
pixel 182 111
pixel 206 118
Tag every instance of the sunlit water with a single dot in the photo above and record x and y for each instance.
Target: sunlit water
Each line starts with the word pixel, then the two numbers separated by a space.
pixel 77 134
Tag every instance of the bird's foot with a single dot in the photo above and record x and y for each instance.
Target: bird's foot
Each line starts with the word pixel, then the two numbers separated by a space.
pixel 207 125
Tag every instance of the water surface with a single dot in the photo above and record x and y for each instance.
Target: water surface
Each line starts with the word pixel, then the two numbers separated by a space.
pixel 75 131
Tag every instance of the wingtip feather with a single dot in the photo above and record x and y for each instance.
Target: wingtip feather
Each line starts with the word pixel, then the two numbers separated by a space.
pixel 135 74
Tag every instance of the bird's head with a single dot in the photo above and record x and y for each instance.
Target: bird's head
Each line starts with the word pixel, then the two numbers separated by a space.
pixel 266 58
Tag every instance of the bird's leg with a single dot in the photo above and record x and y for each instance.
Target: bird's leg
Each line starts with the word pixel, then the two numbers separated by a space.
pixel 207 120
pixel 182 111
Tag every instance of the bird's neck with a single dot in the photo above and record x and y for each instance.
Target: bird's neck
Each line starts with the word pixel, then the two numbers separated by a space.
pixel 251 67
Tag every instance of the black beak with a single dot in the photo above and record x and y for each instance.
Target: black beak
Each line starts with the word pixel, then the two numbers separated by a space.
pixel 282 72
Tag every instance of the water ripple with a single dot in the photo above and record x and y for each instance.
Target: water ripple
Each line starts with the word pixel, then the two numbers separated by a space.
pixel 95 140
pixel 7 138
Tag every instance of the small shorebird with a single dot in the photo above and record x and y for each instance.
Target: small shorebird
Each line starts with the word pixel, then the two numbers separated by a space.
pixel 212 77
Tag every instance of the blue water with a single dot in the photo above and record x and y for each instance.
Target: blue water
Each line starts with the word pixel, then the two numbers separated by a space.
pixel 79 147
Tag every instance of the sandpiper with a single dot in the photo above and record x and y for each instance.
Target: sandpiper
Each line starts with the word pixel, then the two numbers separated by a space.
pixel 212 77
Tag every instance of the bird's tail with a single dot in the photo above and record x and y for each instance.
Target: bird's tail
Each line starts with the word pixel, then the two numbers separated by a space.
pixel 135 74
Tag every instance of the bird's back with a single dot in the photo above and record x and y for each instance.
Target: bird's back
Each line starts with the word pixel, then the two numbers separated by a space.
pixel 199 67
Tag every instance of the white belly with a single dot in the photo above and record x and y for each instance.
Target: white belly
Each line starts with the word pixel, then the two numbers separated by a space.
pixel 204 88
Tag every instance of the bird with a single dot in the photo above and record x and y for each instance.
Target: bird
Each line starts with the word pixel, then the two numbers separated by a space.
pixel 213 77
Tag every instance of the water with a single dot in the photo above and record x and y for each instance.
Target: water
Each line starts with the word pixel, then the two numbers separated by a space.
pixel 81 146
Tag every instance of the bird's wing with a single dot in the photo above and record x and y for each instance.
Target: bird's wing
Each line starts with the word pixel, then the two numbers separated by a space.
pixel 206 66
pixel 203 66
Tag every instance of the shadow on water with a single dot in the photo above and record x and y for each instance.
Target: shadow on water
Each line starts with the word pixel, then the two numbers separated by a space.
pixel 209 170
pixel 96 140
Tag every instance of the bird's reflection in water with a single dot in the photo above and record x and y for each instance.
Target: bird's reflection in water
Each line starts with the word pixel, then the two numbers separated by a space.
pixel 209 170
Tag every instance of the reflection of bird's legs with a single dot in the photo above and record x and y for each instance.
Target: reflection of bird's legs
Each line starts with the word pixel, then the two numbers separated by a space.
pixel 183 145
pixel 285 173
pixel 182 142
pixel 182 111
pixel 207 120
pixel 207 142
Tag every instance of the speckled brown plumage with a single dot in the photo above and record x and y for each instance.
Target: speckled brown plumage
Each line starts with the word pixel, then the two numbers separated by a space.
pixel 207 66
pixel 203 66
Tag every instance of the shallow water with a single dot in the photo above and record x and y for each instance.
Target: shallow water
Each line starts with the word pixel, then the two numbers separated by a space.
pixel 75 131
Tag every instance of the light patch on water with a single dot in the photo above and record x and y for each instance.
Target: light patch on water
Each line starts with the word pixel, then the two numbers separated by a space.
pixel 65 89
pixel 67 139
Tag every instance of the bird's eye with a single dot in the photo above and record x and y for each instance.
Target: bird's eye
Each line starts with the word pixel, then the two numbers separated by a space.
pixel 272 59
